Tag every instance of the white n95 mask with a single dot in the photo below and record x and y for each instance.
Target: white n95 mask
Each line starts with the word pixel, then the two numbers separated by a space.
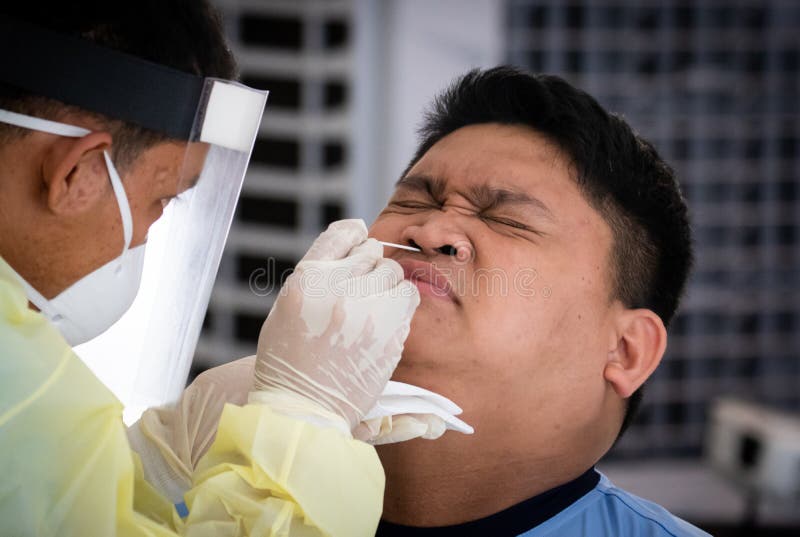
pixel 91 305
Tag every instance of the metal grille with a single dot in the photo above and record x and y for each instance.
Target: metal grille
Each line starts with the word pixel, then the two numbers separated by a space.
pixel 298 177
pixel 715 85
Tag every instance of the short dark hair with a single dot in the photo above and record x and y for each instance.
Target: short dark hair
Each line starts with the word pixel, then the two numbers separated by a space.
pixel 182 34
pixel 620 174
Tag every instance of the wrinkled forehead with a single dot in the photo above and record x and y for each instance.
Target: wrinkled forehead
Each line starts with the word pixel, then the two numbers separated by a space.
pixel 492 165
pixel 513 157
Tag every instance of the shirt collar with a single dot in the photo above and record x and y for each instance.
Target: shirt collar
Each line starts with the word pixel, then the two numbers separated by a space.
pixel 510 522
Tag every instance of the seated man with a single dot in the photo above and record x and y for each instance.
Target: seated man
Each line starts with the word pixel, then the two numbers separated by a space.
pixel 555 246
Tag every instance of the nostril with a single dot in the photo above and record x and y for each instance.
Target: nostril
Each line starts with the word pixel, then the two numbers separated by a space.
pixel 447 249
pixel 412 242
pixel 464 253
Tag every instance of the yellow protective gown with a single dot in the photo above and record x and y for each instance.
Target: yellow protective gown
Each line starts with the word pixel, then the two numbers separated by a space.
pixel 66 468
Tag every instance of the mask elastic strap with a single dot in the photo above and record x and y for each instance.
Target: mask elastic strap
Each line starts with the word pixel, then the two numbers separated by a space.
pixel 43 125
pixel 39 301
pixel 122 201
pixel 71 131
pixel 35 297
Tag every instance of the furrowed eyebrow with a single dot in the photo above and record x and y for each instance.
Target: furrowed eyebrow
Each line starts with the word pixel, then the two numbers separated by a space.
pixel 483 196
pixel 433 186
pixel 487 197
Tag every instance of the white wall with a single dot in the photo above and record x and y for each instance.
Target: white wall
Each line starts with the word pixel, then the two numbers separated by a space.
pixel 406 52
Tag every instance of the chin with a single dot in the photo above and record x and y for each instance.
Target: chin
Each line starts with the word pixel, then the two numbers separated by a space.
pixel 433 378
pixel 406 371
pixel 409 373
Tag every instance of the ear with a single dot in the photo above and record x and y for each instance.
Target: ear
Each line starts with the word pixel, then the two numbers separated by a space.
pixel 640 340
pixel 74 173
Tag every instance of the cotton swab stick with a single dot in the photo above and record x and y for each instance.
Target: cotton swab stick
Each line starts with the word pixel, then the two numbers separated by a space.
pixel 402 247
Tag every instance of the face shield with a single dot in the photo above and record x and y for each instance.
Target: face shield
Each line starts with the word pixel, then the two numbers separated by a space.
pixel 145 357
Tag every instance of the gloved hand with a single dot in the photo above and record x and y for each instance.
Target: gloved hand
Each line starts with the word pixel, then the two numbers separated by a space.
pixel 336 332
pixel 404 411
pixel 171 439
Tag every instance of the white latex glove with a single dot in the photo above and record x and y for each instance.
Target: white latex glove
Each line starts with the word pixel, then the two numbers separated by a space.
pixel 336 331
pixel 404 411
pixel 171 439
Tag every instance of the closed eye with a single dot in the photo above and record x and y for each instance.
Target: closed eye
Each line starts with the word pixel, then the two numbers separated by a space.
pixel 511 223
pixel 413 205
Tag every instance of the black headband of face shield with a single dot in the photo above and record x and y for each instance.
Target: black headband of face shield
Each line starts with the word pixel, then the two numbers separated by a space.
pixel 80 73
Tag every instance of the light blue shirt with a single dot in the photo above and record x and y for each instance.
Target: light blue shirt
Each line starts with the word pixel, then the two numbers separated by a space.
pixel 607 511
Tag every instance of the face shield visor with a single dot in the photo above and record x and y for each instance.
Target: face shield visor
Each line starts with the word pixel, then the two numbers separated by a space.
pixel 145 357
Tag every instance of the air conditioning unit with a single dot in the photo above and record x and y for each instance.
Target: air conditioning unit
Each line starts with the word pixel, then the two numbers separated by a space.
pixel 755 447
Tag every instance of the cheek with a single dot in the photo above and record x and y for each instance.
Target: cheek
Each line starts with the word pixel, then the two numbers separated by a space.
pixel 506 329
pixel 574 357
pixel 546 364
pixel 534 331
pixel 386 227
pixel 432 335
pixel 144 216
pixel 155 212
pixel 377 227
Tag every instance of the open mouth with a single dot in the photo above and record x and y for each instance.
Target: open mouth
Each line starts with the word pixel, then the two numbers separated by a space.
pixel 430 280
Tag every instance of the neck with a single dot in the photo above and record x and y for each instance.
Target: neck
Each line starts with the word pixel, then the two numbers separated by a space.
pixel 464 478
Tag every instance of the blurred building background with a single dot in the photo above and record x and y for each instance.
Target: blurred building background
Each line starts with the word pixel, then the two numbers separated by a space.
pixel 714 84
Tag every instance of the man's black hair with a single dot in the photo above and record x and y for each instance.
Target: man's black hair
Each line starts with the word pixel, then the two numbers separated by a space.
pixel 182 34
pixel 620 174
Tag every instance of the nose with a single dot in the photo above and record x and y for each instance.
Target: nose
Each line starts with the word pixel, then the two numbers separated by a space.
pixel 440 235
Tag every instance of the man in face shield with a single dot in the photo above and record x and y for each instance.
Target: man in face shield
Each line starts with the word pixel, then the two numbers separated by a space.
pixel 106 115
